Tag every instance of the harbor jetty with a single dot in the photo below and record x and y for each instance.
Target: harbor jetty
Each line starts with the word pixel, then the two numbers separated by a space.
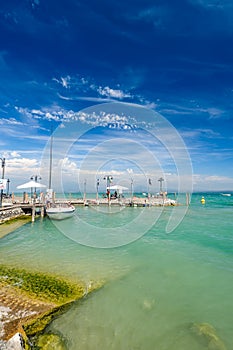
pixel 18 208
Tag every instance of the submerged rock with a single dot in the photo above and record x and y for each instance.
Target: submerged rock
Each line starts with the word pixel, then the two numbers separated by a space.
pixel 208 333
pixel 148 304
pixel 50 342
pixel 30 300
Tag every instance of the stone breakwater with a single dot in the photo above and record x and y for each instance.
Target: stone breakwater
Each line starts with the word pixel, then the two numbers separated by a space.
pixel 7 214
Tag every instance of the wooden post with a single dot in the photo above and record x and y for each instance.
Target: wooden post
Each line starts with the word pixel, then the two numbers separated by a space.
pixel 42 212
pixel 33 213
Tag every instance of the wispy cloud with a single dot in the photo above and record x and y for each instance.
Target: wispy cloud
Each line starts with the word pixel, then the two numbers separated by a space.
pixel 224 4
pixel 89 98
pixel 205 182
pixel 77 84
pixel 192 108
pixel 112 93
pixel 10 121
pixel 200 133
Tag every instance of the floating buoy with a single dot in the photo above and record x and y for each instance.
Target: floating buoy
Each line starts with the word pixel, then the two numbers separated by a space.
pixel 202 200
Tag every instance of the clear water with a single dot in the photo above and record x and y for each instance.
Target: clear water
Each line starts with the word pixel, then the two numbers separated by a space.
pixel 156 287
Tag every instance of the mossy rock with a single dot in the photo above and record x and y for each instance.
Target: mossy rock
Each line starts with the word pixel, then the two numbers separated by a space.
pixel 38 325
pixel 50 341
pixel 208 334
pixel 41 296
pixel 42 286
pixel 23 217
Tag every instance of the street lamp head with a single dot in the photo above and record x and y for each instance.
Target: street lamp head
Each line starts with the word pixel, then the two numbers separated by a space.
pixel 35 177
pixel 108 177
pixel 3 162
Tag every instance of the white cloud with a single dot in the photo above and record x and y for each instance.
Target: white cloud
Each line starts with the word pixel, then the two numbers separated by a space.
pixel 10 121
pixel 67 165
pixel 37 112
pixel 82 98
pixel 214 113
pixel 175 109
pixel 113 93
pixel 20 169
pixel 76 84
pixel 21 163
pixel 15 154
pixel 212 182
pixel 207 133
pixel 64 81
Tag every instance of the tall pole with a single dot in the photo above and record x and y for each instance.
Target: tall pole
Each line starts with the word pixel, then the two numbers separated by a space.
pixel 131 189
pixel 50 161
pixel 161 185
pixel 8 187
pixel 3 173
pixel 36 178
pixel 108 179
pixel 149 184
pixel 84 192
pixel 97 189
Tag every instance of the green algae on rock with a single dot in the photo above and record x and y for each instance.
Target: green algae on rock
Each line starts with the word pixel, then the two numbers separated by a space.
pixel 42 286
pixel 38 324
pixel 50 341
pixel 33 299
pixel 208 334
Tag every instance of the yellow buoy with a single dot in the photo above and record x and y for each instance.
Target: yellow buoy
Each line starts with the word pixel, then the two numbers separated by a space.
pixel 202 200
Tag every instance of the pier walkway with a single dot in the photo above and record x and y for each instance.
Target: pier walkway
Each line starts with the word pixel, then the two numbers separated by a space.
pixel 16 209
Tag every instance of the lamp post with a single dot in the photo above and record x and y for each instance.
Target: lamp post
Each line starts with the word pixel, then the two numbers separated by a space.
pixel 3 173
pixel 97 189
pixel 35 178
pixel 161 185
pixel 149 184
pixel 108 179
pixel 8 187
pixel 131 189
pixel 84 191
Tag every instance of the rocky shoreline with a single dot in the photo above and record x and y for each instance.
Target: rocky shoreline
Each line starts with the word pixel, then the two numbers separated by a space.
pixel 10 213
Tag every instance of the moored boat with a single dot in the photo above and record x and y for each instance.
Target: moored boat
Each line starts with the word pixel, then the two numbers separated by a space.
pixel 60 211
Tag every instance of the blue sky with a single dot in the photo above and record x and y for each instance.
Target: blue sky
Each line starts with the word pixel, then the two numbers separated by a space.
pixel 174 58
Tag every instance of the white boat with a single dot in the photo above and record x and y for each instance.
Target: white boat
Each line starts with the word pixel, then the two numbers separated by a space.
pixel 60 211
pixel 226 194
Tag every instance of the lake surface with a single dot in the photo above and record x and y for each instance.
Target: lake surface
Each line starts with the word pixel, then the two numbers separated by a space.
pixel 157 285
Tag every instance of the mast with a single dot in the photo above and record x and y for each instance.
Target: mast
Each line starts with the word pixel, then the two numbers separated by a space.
pixel 50 161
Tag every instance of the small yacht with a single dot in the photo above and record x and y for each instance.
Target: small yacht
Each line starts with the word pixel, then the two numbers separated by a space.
pixel 60 210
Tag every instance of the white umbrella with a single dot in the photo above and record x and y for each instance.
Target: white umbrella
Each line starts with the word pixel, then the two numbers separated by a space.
pixel 31 184
pixel 118 188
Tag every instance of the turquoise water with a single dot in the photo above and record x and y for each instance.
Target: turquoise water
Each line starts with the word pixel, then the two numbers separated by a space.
pixel 156 287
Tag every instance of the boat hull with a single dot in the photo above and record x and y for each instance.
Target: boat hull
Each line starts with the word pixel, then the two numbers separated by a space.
pixel 60 213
